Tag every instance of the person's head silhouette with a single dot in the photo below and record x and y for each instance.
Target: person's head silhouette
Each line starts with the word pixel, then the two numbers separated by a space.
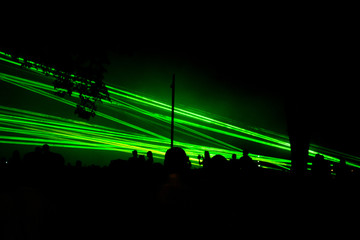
pixel 45 148
pixel 218 162
pixel 134 153
pixel 176 160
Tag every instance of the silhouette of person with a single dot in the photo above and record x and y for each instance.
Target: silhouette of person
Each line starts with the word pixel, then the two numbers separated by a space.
pixel 136 161
pixel 248 166
pixel 150 159
pixel 173 195
pixel 32 160
pixel 134 156
pixel 50 159
pixel 206 159
pixel 176 160
pixel 234 163
pixel 199 158
pixel 216 169
pixel 217 163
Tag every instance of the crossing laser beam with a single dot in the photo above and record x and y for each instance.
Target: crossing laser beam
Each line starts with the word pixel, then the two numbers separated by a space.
pixel 141 123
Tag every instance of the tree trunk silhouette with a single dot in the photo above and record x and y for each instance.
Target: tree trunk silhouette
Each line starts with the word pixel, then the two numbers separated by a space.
pixel 299 128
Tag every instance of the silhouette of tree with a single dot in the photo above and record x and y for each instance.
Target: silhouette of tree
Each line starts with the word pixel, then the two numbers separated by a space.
pixel 299 108
pixel 76 68
pixel 299 137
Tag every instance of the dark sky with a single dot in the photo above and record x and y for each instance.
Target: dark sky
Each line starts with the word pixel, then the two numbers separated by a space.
pixel 246 76
pixel 249 78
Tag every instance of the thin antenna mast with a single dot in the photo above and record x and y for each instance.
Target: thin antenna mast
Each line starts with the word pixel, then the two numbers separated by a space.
pixel 172 110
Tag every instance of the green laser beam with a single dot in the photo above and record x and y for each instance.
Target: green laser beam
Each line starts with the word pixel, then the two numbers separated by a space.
pixel 59 130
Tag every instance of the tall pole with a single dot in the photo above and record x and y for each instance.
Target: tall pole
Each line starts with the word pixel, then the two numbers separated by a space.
pixel 172 110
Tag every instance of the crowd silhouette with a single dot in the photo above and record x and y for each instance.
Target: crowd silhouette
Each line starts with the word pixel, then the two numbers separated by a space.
pixel 42 198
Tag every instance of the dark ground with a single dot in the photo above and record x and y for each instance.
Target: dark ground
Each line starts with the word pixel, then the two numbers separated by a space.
pixel 108 203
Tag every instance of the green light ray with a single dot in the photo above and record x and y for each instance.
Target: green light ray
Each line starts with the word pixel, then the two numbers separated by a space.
pixel 186 113
pixel 68 102
pixel 188 131
pixel 87 135
pixel 127 124
pixel 54 136
pixel 279 144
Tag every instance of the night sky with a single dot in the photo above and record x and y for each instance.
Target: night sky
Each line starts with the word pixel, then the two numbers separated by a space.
pixel 247 78
pixel 250 79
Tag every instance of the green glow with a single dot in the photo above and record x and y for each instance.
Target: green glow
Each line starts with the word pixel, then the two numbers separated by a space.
pixel 32 128
pixel 194 116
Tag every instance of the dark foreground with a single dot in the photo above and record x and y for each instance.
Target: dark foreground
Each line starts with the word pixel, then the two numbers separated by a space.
pixel 110 203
